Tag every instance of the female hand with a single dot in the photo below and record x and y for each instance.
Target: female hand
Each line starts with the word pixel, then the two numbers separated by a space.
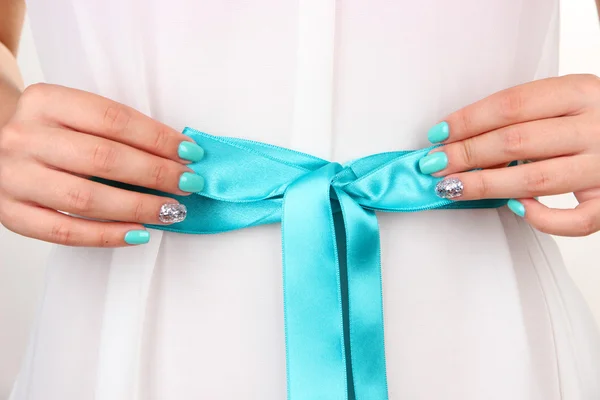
pixel 59 137
pixel 555 122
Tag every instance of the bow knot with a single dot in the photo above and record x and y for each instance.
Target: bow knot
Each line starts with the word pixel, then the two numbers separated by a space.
pixel 333 302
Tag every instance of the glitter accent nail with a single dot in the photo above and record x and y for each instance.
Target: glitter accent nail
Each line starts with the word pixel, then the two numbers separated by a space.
pixel 171 213
pixel 449 188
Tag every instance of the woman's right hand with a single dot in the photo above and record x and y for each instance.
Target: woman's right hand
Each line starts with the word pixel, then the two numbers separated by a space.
pixel 58 138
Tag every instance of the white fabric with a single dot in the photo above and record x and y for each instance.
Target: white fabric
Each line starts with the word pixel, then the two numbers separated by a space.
pixel 477 304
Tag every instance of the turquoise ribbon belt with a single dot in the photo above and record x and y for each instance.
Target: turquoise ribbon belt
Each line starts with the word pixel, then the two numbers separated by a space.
pixel 331 254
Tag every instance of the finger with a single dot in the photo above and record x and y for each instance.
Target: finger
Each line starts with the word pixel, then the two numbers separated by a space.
pixel 586 195
pixel 99 157
pixel 54 227
pixel 580 221
pixel 97 115
pixel 79 196
pixel 548 177
pixel 539 139
pixel 545 98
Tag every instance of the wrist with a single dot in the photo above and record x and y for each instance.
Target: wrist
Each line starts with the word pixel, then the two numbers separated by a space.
pixel 11 84
pixel 9 97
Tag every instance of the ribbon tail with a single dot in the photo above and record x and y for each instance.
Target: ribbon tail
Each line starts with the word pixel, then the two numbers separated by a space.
pixel 365 300
pixel 315 350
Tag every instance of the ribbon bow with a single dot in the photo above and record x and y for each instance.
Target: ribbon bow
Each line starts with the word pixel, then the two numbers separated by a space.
pixel 331 255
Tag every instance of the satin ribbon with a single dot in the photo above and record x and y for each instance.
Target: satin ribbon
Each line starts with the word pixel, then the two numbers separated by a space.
pixel 331 255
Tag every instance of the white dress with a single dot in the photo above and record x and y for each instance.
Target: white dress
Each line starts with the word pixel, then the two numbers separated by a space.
pixel 477 304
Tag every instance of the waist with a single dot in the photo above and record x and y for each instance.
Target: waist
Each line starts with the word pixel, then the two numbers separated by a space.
pixel 333 302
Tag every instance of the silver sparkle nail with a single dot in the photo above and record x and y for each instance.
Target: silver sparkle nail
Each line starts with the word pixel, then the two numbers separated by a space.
pixel 449 188
pixel 172 213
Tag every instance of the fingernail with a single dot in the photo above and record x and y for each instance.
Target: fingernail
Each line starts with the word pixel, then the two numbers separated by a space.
pixel 433 163
pixel 172 213
pixel 439 132
pixel 517 207
pixel 190 151
pixel 137 237
pixel 192 183
pixel 449 188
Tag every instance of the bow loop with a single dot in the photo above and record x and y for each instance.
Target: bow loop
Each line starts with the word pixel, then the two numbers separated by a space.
pixel 246 171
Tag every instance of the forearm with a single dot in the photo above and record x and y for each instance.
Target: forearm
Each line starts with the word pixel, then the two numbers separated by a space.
pixel 11 84
pixel 12 13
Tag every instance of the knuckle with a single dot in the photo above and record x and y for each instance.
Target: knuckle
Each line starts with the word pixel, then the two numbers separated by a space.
pixel 586 81
pixel 33 101
pixel 513 141
pixel 469 153
pixel 62 234
pixel 586 85
pixel 537 182
pixel 104 157
pixel 511 103
pixel 579 133
pixel 587 225
pixel 139 211
pixel 79 200
pixel 10 176
pixel 104 238
pixel 161 140
pixel 36 92
pixel 159 175
pixel 116 118
pixel 590 79
pixel 483 188
pixel 11 136
pixel 463 121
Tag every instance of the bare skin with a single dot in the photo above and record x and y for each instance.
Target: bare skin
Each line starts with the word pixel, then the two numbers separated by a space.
pixel 554 121
pixel 11 84
pixel 62 136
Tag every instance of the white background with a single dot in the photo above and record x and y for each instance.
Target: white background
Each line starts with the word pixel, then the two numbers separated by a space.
pixel 22 260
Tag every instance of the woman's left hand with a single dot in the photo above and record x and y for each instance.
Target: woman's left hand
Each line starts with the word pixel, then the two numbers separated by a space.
pixel 554 122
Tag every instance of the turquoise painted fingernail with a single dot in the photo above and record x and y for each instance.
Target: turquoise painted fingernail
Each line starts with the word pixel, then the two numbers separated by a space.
pixel 433 163
pixel 517 207
pixel 137 237
pixel 190 151
pixel 191 183
pixel 439 132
